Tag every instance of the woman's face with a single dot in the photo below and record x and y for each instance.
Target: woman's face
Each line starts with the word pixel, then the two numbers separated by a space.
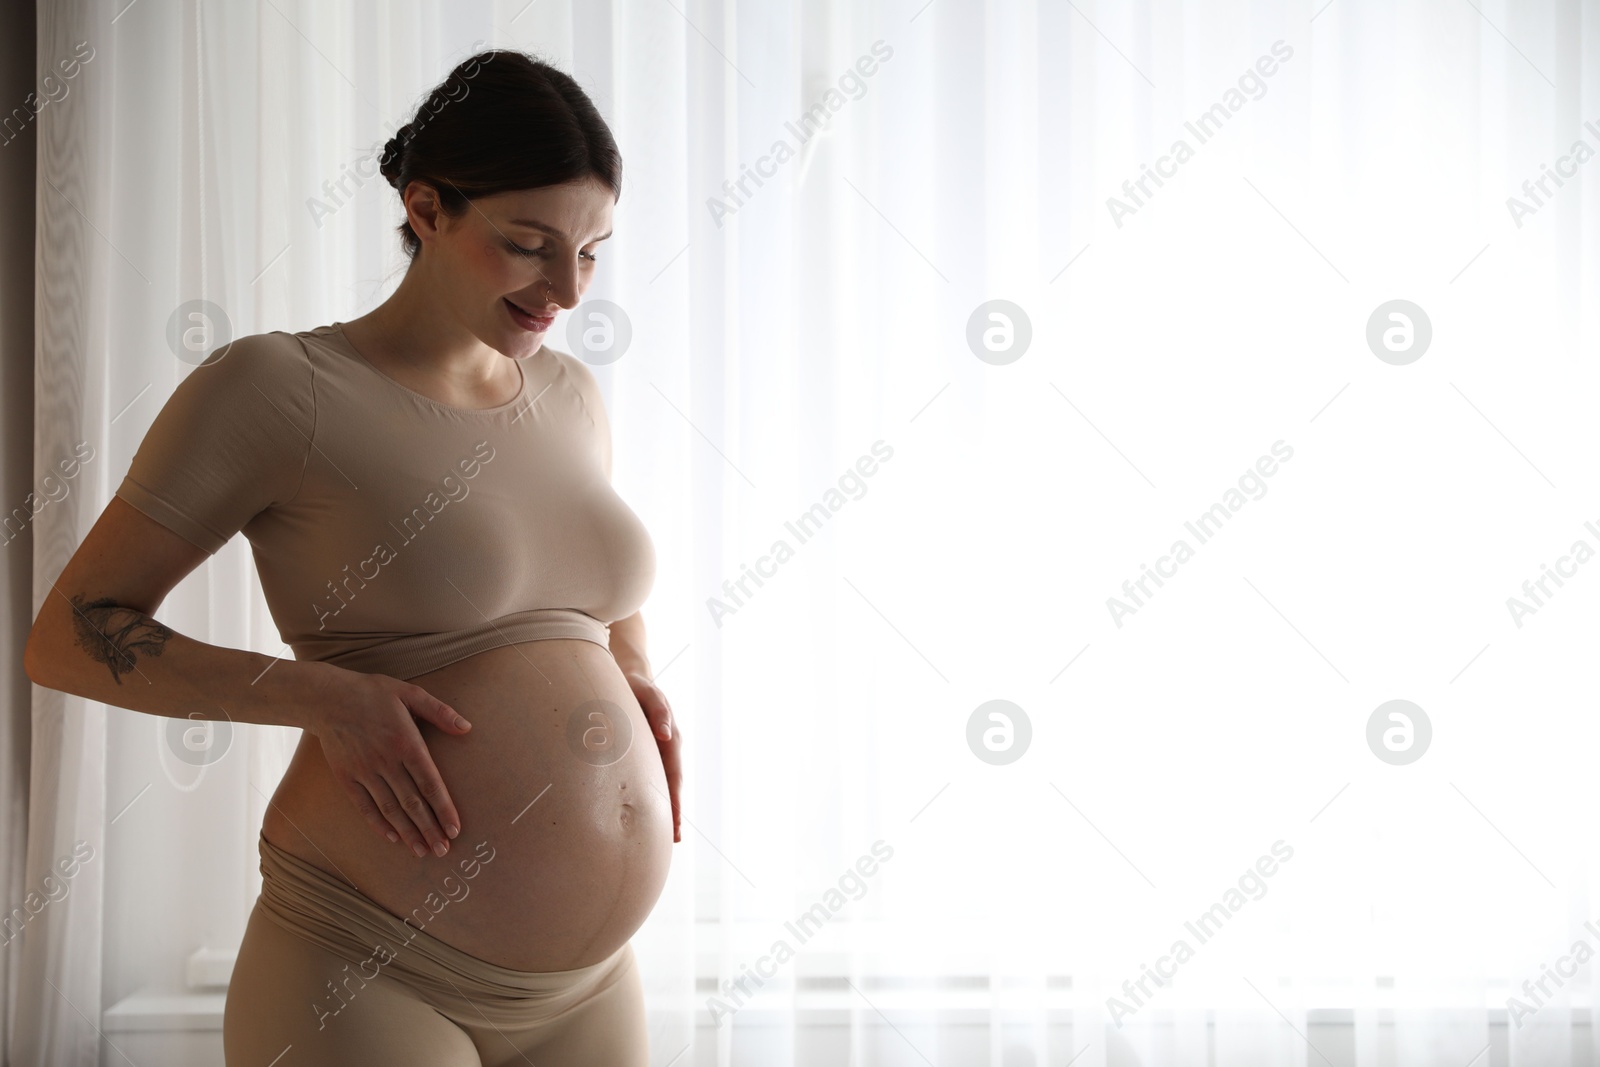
pixel 533 251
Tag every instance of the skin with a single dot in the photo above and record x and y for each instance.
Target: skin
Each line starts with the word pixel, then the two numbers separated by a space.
pixel 114 635
pixel 444 330
pixel 580 850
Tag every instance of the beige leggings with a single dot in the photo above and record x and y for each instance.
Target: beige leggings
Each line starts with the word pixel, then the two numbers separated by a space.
pixel 327 978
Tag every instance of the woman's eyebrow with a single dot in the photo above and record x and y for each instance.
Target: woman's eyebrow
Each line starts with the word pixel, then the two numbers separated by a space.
pixel 551 230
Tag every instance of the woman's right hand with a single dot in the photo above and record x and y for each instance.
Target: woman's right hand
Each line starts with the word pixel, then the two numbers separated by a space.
pixel 365 723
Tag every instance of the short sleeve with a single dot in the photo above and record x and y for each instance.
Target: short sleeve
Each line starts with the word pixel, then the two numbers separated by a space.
pixel 231 441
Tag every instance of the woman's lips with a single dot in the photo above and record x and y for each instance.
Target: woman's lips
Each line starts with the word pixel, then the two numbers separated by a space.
pixel 531 323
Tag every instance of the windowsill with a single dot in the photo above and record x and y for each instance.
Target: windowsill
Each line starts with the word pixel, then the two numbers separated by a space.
pixel 150 1011
pixel 818 991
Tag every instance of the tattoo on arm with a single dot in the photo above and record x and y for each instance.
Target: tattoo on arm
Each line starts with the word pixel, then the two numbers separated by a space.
pixel 115 635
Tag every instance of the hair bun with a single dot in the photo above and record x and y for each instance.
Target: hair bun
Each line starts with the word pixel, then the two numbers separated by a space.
pixel 394 154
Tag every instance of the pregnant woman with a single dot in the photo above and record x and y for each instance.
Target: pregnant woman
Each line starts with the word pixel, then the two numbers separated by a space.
pixel 482 807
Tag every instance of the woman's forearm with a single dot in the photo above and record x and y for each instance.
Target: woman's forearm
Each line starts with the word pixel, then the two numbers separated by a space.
pixel 627 645
pixel 106 652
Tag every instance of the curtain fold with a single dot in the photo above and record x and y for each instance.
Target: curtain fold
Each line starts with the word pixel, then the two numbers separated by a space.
pixel 18 153
pixel 56 1001
pixel 1118 471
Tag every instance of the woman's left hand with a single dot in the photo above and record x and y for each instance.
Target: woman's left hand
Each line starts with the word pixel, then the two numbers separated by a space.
pixel 659 715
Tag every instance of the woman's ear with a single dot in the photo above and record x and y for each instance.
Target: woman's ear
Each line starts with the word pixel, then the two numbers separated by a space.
pixel 423 210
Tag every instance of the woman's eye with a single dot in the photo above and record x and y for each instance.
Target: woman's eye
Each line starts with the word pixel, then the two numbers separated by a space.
pixel 519 250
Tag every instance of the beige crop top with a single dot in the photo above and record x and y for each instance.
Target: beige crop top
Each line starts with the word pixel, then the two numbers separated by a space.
pixel 394 534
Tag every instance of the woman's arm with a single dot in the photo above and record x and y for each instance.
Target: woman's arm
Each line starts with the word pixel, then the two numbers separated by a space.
pixel 627 645
pixel 95 638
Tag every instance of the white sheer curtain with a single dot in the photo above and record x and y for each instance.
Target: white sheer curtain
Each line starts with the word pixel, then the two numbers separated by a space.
pixel 882 502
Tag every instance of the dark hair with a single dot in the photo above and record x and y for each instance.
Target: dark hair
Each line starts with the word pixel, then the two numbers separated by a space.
pixel 501 121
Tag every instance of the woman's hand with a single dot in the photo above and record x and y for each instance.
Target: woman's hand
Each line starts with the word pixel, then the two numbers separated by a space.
pixel 659 715
pixel 366 725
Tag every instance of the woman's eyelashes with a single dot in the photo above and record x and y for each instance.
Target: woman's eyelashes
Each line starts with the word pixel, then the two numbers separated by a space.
pixel 542 252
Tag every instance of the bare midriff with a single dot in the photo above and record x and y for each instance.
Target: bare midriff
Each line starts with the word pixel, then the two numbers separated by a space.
pixel 578 819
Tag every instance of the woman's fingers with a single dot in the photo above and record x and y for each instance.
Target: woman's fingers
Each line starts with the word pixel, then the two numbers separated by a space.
pixel 394 813
pixel 395 807
pixel 369 811
pixel 422 791
pixel 425 705
pixel 656 712
pixel 670 761
pixel 438 817
pixel 670 742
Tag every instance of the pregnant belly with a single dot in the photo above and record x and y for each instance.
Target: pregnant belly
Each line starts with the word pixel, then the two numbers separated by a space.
pixel 566 825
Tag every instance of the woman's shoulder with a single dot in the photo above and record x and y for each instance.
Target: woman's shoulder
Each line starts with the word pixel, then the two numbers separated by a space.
pixel 578 371
pixel 271 358
pixel 267 346
pixel 259 378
